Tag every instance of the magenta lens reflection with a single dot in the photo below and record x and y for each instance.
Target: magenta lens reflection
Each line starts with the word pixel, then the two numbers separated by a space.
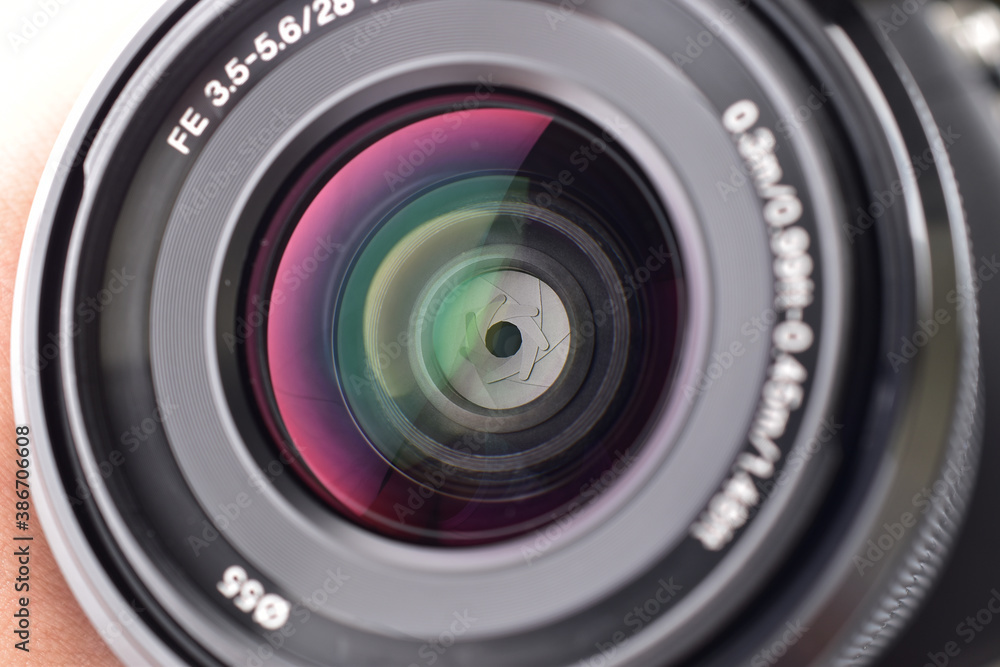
pixel 457 349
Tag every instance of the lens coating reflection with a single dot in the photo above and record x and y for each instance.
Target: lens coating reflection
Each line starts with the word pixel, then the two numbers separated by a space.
pixel 457 350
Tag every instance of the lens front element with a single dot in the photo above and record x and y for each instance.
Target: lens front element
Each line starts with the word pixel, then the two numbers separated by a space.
pixel 461 373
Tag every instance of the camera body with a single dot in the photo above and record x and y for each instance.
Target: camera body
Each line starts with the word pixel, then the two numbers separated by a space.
pixel 955 77
pixel 519 332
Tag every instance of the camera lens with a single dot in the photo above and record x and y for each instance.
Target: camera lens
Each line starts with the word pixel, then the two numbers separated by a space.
pixel 475 348
pixel 507 332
